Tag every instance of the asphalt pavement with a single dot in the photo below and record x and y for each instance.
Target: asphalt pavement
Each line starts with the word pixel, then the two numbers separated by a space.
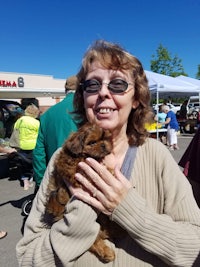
pixel 12 196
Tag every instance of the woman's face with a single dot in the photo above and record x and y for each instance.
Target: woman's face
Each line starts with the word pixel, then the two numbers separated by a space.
pixel 104 108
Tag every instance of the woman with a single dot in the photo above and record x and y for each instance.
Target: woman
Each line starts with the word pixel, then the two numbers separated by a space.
pixel 161 116
pixel 28 126
pixel 149 198
pixel 172 127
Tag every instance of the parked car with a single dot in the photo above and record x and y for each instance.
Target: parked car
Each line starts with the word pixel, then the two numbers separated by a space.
pixel 8 116
pixel 193 109
pixel 193 106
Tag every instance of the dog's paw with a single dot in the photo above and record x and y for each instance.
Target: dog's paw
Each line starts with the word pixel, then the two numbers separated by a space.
pixel 62 196
pixel 102 251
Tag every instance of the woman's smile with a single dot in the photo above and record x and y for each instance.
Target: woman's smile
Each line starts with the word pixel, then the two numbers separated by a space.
pixel 104 110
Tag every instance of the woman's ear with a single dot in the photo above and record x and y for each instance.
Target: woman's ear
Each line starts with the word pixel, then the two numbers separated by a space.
pixel 135 104
pixel 75 143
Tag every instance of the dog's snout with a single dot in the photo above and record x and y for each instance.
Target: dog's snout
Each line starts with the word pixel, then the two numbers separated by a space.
pixel 103 146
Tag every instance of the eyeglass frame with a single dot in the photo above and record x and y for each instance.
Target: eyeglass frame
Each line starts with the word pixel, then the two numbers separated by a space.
pixel 113 91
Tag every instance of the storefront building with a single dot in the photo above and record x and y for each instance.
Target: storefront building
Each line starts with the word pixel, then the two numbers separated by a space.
pixel 45 88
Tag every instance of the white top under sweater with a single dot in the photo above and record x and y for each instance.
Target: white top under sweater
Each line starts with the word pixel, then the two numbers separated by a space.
pixel 159 213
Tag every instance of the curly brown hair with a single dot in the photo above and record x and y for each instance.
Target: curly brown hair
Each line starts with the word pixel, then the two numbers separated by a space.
pixel 113 56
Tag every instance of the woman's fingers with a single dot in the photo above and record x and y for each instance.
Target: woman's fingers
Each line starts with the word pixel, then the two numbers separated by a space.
pixel 105 189
pixel 101 171
pixel 104 179
pixel 95 176
pixel 88 193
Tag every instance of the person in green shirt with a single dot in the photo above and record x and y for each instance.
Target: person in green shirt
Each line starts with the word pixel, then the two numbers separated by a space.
pixel 56 124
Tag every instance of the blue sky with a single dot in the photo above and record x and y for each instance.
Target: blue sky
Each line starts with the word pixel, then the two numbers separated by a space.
pixel 49 37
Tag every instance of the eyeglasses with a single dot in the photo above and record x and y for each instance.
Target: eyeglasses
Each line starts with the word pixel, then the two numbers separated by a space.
pixel 116 86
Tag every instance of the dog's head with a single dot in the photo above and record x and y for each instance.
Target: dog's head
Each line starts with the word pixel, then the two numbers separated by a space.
pixel 89 141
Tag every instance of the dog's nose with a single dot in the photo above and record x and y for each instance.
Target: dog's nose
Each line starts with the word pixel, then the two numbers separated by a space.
pixel 103 146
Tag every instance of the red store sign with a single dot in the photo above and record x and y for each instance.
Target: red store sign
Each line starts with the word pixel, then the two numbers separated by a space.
pixel 11 84
pixel 4 83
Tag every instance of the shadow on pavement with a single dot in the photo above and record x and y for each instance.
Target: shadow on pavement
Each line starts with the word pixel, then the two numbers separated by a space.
pixel 18 203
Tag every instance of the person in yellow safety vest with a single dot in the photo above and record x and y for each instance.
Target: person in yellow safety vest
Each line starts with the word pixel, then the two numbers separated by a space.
pixel 28 126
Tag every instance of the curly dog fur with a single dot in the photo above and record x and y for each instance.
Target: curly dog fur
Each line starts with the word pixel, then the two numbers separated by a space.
pixel 89 141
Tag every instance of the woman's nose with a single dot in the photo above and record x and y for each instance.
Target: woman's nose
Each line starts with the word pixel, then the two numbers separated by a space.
pixel 104 91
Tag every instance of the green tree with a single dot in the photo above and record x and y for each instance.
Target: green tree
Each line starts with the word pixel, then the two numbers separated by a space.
pixel 198 73
pixel 164 63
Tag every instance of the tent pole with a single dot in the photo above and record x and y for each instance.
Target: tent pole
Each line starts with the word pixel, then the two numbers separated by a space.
pixel 157 102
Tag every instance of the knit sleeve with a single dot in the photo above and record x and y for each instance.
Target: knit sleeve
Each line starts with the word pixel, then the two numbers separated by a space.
pixel 173 235
pixel 43 246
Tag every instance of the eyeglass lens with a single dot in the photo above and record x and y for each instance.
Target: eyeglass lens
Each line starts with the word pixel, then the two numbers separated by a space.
pixel 115 86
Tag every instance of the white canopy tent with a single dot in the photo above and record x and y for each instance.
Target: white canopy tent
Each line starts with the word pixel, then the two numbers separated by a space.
pixel 159 83
pixel 189 80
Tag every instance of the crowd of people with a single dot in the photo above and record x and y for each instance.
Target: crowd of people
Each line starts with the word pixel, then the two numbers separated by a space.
pixel 146 195
pixel 167 125
pixel 173 123
pixel 40 136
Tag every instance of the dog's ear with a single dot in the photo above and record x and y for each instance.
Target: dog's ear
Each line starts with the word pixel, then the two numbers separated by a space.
pixel 75 143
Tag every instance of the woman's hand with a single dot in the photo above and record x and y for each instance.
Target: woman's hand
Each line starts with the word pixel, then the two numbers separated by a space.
pixel 101 189
pixel 8 150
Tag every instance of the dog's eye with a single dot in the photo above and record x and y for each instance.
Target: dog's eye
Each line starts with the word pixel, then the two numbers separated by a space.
pixel 91 143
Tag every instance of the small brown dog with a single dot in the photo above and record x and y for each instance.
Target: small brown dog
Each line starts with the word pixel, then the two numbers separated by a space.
pixel 89 141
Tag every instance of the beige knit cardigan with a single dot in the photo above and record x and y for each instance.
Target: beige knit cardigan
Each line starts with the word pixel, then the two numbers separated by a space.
pixel 159 213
